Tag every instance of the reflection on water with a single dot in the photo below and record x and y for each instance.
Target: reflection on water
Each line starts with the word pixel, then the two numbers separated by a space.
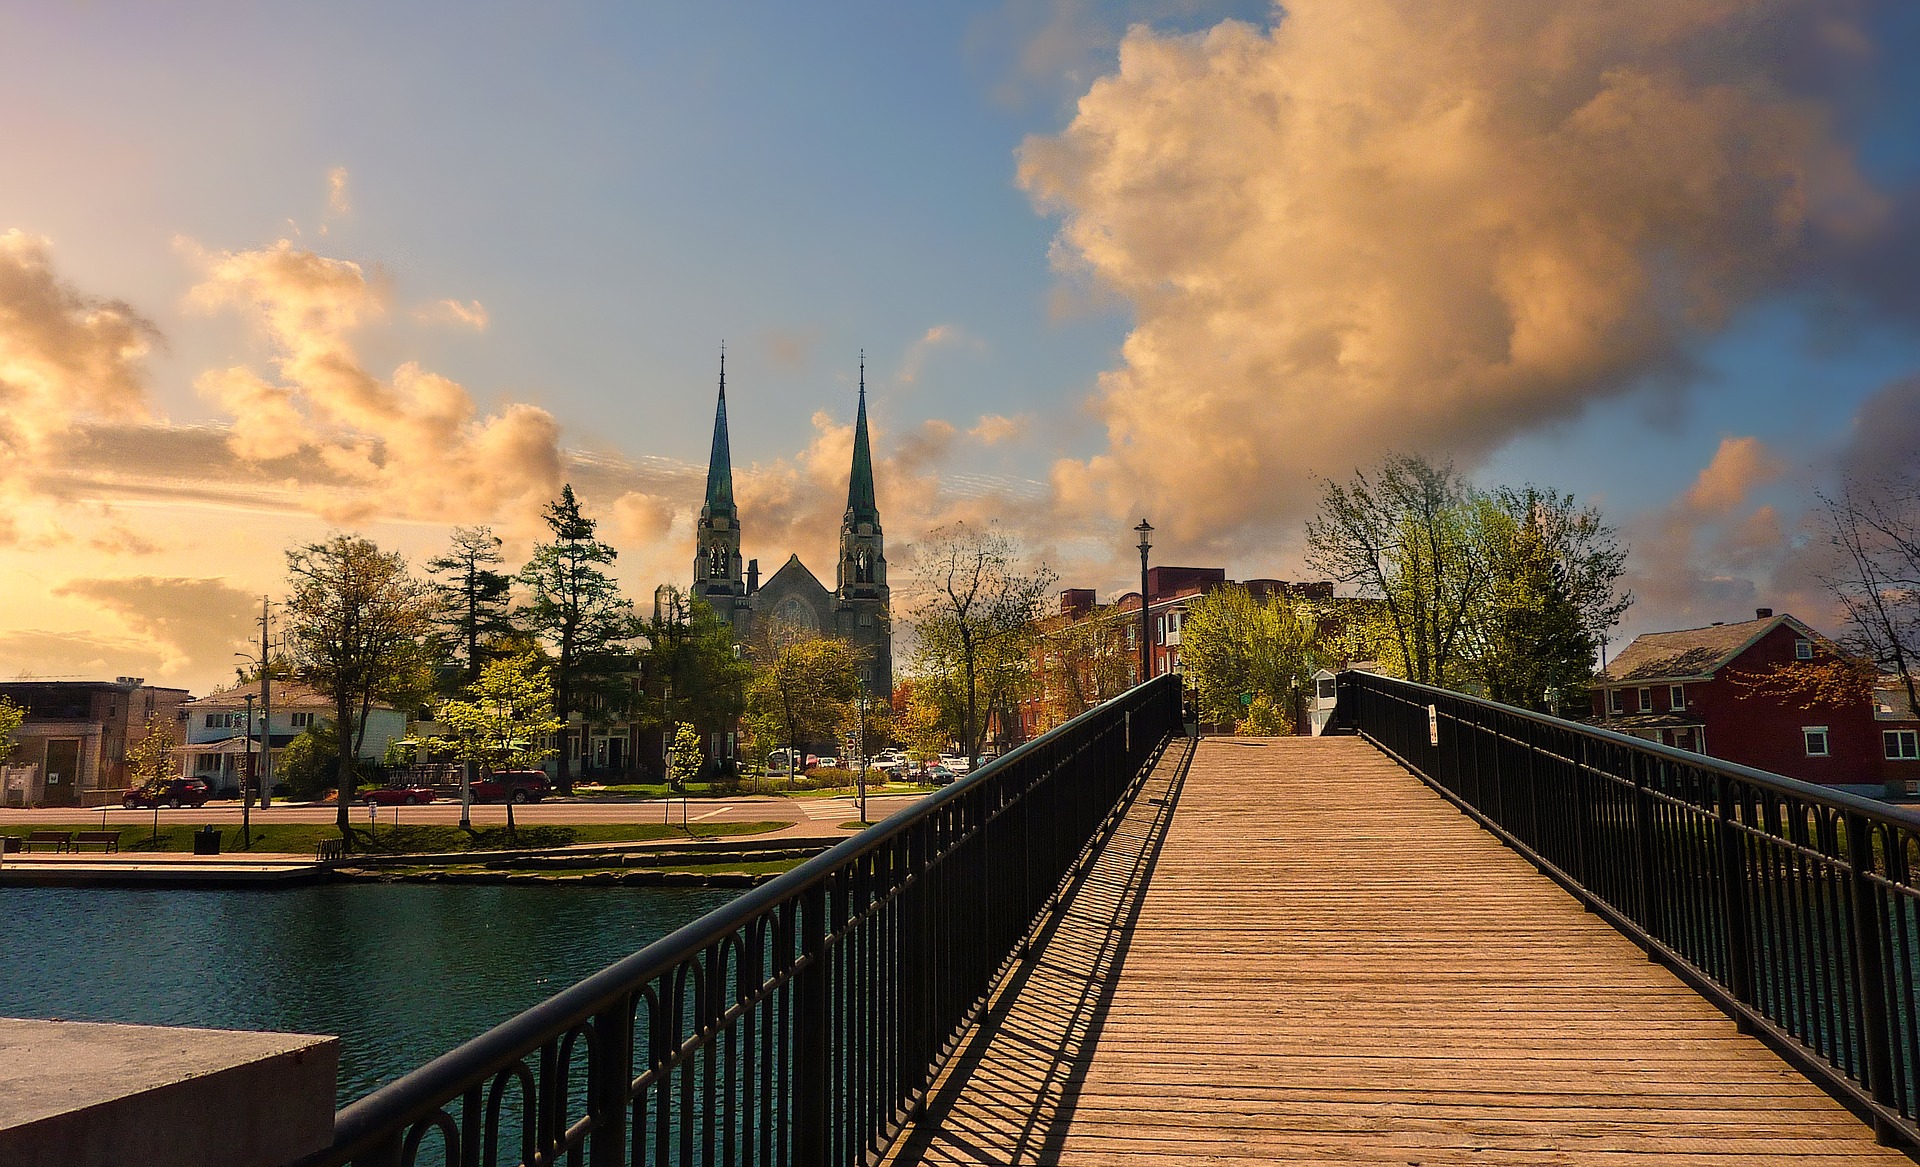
pixel 401 972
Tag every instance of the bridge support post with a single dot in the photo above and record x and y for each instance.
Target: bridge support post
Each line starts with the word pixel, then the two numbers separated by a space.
pixel 611 1079
pixel 813 1067
pixel 1869 926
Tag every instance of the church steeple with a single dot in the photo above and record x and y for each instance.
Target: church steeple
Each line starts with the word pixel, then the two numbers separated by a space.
pixel 860 504
pixel 716 560
pixel 720 461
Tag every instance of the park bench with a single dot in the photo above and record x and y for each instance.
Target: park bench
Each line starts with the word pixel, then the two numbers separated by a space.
pixel 109 840
pixel 59 839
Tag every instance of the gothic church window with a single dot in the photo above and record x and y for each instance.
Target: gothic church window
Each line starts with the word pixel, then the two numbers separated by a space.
pixel 799 613
pixel 863 566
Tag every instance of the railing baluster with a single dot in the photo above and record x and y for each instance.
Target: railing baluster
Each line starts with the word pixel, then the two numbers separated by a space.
pixel 1868 948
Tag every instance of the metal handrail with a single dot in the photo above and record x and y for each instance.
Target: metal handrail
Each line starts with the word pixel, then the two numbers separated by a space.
pixel 800 1022
pixel 1791 906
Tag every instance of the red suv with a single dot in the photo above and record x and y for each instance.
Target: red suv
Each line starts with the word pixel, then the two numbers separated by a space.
pixel 524 785
pixel 174 792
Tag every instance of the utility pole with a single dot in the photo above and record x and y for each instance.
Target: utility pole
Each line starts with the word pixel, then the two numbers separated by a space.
pixel 248 775
pixel 266 713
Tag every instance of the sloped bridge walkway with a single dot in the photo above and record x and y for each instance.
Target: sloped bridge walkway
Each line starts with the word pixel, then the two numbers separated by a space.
pixel 1295 952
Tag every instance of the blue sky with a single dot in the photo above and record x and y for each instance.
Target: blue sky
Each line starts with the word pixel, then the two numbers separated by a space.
pixel 622 187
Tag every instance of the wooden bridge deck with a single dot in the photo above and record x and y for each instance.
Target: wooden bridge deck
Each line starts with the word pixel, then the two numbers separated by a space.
pixel 1303 955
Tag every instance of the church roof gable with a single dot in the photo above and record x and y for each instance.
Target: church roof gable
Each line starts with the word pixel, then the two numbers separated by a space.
pixel 793 576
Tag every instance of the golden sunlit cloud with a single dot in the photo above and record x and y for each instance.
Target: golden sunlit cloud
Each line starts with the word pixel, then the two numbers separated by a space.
pixel 1395 224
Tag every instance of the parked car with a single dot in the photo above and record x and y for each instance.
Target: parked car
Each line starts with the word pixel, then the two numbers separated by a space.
pixel 175 792
pixel 823 763
pixel 402 795
pixel 956 763
pixel 937 775
pixel 519 785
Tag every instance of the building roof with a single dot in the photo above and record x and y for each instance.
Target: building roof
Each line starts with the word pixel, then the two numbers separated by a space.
pixel 1692 652
pixel 286 695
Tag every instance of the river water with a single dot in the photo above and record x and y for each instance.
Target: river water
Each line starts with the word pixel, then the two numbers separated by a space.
pixel 400 972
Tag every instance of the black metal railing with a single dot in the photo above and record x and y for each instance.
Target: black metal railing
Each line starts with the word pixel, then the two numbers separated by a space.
pixel 1791 906
pixel 803 1022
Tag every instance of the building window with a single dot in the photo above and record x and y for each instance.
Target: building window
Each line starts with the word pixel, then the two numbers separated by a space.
pixel 300 720
pixel 1676 696
pixel 1903 745
pixel 1816 739
pixel 1646 700
pixel 1803 650
pixel 1616 701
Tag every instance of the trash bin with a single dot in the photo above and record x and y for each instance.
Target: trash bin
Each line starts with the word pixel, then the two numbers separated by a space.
pixel 206 841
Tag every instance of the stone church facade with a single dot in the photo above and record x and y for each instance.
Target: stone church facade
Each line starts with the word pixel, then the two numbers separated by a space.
pixel 855 609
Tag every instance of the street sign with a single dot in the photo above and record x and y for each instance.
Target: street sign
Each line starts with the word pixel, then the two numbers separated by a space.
pixel 1433 725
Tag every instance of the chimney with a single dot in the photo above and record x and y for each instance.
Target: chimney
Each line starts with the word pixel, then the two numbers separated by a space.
pixel 1763 613
pixel 753 576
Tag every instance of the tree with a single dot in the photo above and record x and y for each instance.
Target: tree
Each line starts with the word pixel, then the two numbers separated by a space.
pixel 577 608
pixel 11 716
pixel 355 620
pixel 1874 530
pixel 1239 651
pixel 975 624
pixel 471 596
pixel 506 719
pixel 686 757
pixel 1403 535
pixel 150 761
pixel 309 763
pixel 803 685
pixel 690 653
pixel 1084 662
pixel 1550 594
pixel 922 726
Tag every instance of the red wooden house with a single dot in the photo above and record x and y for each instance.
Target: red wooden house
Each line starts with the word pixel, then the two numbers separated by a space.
pixel 1681 689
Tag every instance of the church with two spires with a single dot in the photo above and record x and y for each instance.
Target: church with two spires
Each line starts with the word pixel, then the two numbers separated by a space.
pixel 855 609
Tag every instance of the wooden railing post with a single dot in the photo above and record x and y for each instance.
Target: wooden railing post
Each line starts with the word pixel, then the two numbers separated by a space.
pixel 1869 928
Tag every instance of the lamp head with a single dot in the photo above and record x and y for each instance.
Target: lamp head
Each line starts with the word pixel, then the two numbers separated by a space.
pixel 1146 529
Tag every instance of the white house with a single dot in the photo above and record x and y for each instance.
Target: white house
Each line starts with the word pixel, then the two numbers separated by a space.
pixel 217 733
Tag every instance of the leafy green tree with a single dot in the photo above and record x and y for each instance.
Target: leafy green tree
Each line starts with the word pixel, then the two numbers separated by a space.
pixel 692 670
pixel 1403 534
pixel 355 621
pixel 922 726
pixel 975 625
pixel 1236 648
pixel 151 761
pixel 308 765
pixel 11 716
pixel 1085 661
pixel 804 684
pixel 471 598
pixel 576 607
pixel 1550 573
pixel 506 720
pixel 686 757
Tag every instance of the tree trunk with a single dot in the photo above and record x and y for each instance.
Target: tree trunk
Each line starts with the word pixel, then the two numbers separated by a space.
pixel 343 781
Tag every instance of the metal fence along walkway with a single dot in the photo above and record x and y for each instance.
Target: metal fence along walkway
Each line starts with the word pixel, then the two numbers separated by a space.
pixel 1301 954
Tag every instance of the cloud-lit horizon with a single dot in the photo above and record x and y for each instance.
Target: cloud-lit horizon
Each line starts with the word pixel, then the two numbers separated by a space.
pixel 1280 247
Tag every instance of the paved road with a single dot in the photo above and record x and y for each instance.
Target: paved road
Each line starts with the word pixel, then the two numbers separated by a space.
pixel 716 810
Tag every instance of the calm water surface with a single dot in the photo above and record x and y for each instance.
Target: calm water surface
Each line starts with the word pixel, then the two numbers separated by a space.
pixel 400 972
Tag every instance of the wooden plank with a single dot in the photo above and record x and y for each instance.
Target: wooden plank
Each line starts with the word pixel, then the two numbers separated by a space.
pixel 1314 959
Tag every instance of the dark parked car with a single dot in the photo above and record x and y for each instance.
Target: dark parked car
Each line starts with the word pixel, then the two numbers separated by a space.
pixel 175 792
pixel 398 795
pixel 525 785
pixel 937 775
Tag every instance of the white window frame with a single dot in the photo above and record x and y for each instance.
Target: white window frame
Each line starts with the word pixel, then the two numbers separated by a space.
pixel 1646 699
pixel 1803 650
pixel 1901 745
pixel 1616 700
pixel 1676 696
pixel 1826 741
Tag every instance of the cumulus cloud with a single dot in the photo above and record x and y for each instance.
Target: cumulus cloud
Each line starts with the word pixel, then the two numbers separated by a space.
pixel 940 336
pixel 411 445
pixel 192 625
pixel 994 428
pixel 1738 466
pixel 472 314
pixel 31 653
pixel 1393 224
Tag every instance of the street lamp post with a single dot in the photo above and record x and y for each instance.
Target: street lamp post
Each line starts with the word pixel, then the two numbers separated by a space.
pixel 1146 620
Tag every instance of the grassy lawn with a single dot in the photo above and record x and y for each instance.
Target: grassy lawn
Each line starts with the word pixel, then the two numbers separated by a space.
pixel 770 786
pixel 304 838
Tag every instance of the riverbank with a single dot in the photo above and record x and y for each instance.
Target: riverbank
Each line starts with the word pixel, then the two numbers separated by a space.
pixel 304 839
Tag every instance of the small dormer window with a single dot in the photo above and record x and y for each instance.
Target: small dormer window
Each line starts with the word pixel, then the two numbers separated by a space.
pixel 1803 650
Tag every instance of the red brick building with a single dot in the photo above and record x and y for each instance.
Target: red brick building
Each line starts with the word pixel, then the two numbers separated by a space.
pixel 1680 689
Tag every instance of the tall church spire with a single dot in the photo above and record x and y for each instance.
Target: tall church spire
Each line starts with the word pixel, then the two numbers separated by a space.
pixel 860 503
pixel 720 463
